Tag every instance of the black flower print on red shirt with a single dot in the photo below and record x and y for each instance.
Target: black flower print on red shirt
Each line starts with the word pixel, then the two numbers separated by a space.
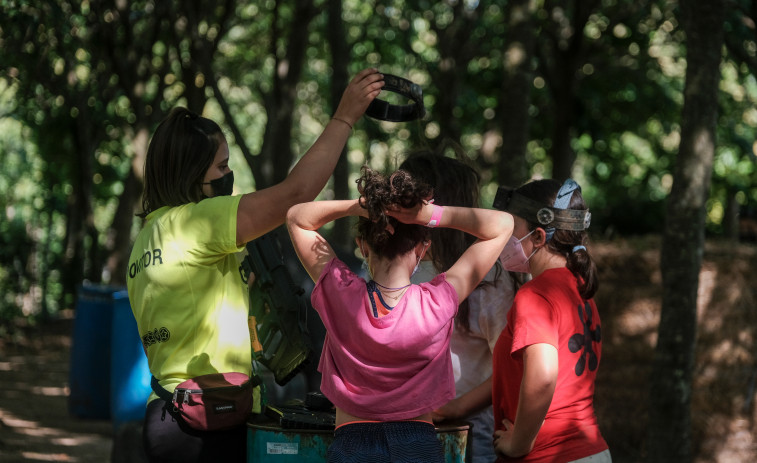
pixel 584 341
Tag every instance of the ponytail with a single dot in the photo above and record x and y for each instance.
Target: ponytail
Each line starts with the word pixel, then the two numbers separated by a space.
pixel 580 263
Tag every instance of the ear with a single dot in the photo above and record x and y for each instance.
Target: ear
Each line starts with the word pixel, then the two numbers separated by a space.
pixel 420 248
pixel 360 245
pixel 539 237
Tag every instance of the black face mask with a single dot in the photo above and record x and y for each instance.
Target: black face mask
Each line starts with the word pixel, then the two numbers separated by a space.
pixel 222 186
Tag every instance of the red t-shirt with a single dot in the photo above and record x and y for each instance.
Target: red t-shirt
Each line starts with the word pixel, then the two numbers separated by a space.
pixel 549 310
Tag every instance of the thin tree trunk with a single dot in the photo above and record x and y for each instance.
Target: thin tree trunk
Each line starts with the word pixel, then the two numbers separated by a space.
pixel 669 430
pixel 339 80
pixel 119 245
pixel 561 57
pixel 276 154
pixel 516 93
pixel 455 50
pixel 731 218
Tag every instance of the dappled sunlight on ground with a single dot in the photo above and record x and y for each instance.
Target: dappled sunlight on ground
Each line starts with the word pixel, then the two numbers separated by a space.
pixel 35 425
pixel 34 420
pixel 629 302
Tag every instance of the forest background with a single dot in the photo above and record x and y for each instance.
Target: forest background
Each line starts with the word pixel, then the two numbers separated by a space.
pixel 649 105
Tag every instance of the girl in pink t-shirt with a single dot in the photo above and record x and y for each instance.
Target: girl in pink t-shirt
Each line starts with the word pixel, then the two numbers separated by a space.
pixel 385 363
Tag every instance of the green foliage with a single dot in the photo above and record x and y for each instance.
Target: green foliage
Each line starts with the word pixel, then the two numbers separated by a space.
pixel 84 78
pixel 26 215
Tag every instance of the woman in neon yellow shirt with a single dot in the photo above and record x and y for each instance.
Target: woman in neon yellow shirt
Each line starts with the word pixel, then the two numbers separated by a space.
pixel 183 283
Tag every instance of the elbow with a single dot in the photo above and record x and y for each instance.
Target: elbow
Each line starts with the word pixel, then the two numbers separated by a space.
pixel 301 192
pixel 507 223
pixel 545 387
pixel 291 217
pixel 504 226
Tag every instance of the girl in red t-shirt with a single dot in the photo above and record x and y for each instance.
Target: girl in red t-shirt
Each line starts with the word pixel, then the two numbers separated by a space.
pixel 546 359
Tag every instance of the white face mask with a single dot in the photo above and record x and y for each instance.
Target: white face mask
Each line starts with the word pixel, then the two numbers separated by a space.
pixel 513 258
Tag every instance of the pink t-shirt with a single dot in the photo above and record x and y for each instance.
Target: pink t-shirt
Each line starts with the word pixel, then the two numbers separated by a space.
pixel 391 368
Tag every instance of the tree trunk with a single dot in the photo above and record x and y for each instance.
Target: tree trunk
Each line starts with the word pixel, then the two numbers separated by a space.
pixel 87 139
pixel 516 93
pixel 455 50
pixel 135 70
pixel 119 241
pixel 669 431
pixel 562 52
pixel 80 221
pixel 340 56
pixel 276 155
pixel 731 217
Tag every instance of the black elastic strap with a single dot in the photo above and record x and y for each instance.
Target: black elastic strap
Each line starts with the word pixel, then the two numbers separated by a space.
pixel 160 391
pixel 382 110
pixel 164 394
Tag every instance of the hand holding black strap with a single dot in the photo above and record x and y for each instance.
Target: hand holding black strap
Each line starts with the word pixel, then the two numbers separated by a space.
pixel 382 110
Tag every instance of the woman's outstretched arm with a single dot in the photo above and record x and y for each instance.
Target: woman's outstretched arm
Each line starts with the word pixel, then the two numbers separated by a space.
pixel 261 211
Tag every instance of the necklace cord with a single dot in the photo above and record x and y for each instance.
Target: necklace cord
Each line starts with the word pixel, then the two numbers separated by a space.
pixel 390 289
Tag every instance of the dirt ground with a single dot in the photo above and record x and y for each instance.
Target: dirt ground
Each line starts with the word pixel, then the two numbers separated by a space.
pixel 34 385
pixel 34 421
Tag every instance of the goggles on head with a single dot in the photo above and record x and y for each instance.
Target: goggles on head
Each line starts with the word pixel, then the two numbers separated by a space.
pixel 508 200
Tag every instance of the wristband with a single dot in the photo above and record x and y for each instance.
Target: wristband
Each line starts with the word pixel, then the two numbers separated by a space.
pixel 436 216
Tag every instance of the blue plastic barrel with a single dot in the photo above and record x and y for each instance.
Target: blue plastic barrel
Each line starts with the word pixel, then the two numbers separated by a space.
pixel 129 373
pixel 89 373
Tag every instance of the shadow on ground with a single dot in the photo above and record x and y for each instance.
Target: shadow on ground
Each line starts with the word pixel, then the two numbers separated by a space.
pixel 35 425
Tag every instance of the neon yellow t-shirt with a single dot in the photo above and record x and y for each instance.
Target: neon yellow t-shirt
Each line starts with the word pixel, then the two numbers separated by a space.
pixel 188 299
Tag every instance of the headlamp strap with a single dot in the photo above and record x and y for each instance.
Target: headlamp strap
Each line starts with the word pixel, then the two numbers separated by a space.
pixel 382 110
pixel 562 200
pixel 549 217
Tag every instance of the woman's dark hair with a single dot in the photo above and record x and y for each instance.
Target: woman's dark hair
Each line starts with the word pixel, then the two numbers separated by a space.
pixel 456 183
pixel 563 241
pixel 181 151
pixel 377 192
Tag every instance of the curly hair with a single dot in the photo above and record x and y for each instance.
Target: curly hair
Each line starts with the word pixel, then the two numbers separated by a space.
pixel 376 193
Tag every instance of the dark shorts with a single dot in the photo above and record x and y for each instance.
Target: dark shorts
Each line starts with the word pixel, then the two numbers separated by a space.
pixel 168 439
pixel 387 442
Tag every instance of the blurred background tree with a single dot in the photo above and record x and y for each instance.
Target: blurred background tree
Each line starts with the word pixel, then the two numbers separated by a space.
pixel 591 89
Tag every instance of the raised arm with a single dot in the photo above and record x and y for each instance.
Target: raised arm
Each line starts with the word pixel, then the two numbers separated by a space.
pixel 492 228
pixel 303 221
pixel 264 210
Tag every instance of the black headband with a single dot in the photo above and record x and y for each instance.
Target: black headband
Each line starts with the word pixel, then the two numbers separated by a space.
pixel 379 109
pixel 564 219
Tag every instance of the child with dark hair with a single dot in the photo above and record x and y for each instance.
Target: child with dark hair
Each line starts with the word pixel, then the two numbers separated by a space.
pixel 482 315
pixel 546 359
pixel 386 363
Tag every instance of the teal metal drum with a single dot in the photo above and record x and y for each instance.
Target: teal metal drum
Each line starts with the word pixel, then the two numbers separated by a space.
pixel 455 443
pixel 269 443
